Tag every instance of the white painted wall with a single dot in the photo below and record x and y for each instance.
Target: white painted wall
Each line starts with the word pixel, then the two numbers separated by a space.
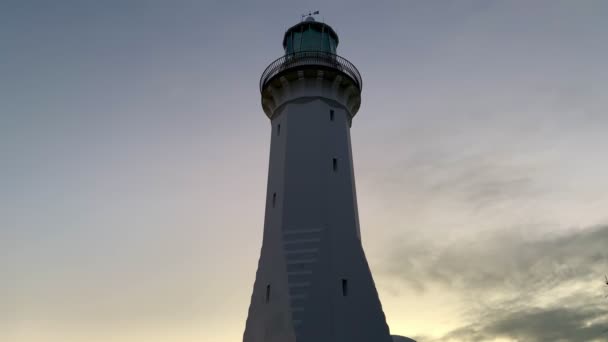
pixel 311 234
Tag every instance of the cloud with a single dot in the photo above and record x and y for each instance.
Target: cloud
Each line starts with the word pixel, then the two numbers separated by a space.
pixel 515 285
pixel 481 180
pixel 476 179
pixel 513 260
pixel 538 325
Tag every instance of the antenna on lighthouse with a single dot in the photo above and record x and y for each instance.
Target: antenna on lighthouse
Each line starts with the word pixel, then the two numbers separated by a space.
pixel 309 14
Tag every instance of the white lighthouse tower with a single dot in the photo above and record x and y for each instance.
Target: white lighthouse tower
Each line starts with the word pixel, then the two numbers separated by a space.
pixel 313 283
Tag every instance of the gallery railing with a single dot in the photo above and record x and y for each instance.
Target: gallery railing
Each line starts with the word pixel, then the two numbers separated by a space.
pixel 311 58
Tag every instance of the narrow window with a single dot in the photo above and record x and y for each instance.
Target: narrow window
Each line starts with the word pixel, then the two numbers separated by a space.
pixel 331 115
pixel 274 199
pixel 344 287
pixel 335 164
pixel 279 129
pixel 267 293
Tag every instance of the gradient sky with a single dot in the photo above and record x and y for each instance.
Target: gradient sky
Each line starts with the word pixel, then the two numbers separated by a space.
pixel 134 155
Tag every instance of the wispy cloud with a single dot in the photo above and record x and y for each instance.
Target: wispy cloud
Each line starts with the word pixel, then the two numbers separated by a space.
pixel 514 284
pixel 538 325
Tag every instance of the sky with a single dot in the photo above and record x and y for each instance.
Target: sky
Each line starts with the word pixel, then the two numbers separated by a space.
pixel 134 156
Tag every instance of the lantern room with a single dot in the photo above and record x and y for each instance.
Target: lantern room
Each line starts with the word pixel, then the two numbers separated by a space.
pixel 310 35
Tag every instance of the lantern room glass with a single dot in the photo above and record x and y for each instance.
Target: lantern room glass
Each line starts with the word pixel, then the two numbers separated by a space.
pixel 310 37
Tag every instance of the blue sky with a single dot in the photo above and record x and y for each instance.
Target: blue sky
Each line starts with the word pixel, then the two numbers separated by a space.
pixel 134 157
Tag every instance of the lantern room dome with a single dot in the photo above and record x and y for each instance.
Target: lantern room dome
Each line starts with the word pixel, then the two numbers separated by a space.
pixel 310 35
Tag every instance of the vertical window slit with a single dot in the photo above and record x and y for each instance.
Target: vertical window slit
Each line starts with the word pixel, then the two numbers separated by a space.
pixel 279 129
pixel 331 115
pixel 274 199
pixel 344 287
pixel 267 293
pixel 335 164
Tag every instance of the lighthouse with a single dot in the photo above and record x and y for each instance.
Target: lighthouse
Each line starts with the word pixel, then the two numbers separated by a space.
pixel 313 282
